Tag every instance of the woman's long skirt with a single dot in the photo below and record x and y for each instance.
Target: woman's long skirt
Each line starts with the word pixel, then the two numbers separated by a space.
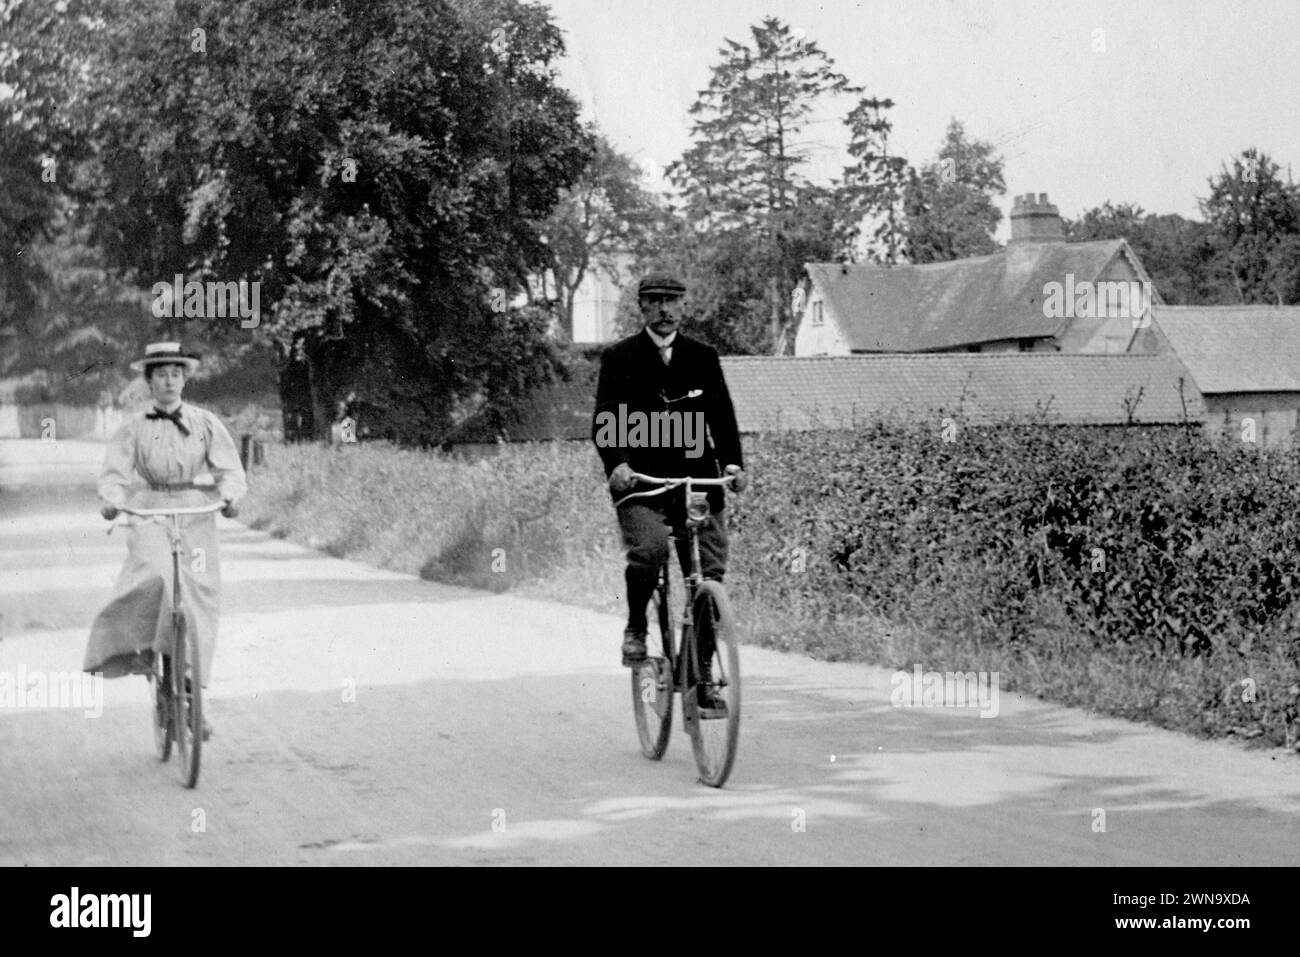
pixel 139 617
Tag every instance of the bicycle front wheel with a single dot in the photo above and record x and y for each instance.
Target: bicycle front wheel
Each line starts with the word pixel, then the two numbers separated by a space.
pixel 160 683
pixel 715 731
pixel 652 680
pixel 188 705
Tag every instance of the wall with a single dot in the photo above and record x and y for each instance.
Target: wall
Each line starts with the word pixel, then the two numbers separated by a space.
pixel 821 340
pixel 595 301
pixel 69 421
pixel 1103 334
pixel 1151 340
pixel 1275 415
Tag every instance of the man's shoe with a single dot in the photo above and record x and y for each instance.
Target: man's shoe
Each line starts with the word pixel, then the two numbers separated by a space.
pixel 712 704
pixel 633 646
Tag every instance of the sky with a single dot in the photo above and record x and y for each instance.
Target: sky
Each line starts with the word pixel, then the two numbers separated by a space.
pixel 1135 101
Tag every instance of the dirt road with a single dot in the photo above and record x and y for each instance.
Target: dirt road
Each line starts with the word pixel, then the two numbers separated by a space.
pixel 367 717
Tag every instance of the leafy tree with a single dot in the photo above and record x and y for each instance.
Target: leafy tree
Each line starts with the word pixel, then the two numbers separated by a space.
pixel 381 168
pixel 1178 253
pixel 26 209
pixel 34 65
pixel 1254 214
pixel 84 323
pixel 726 282
pixel 949 203
pixel 874 186
pixel 742 184
pixel 1282 276
pixel 604 215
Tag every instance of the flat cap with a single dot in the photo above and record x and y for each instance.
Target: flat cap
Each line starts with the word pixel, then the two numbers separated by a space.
pixel 661 283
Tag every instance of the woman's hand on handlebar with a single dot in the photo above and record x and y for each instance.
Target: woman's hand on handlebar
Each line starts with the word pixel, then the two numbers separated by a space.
pixel 230 510
pixel 109 512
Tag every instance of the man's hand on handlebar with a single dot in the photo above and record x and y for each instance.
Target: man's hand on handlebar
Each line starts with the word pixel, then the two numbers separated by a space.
pixel 620 480
pixel 741 481
pixel 230 510
pixel 624 478
pixel 109 512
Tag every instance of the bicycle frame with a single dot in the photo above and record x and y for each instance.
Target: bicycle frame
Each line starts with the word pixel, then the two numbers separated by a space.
pixel 683 665
pixel 710 713
pixel 173 529
pixel 178 689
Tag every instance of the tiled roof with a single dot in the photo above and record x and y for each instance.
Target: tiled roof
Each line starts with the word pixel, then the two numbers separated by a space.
pixel 796 393
pixel 1235 348
pixel 782 393
pixel 962 302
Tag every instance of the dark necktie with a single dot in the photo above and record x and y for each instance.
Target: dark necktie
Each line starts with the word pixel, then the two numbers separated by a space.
pixel 174 417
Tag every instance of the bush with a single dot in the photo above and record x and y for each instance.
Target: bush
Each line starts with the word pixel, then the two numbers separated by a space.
pixel 1147 572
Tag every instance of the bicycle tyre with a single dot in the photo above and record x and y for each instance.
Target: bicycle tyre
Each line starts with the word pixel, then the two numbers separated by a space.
pixel 187 689
pixel 714 740
pixel 652 680
pixel 163 706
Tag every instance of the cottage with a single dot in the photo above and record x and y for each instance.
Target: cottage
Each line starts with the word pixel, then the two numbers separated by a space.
pixel 1010 301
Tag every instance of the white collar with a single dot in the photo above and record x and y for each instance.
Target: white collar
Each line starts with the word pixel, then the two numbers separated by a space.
pixel 662 343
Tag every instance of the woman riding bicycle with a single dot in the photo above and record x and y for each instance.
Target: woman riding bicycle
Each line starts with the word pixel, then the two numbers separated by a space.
pixel 168 448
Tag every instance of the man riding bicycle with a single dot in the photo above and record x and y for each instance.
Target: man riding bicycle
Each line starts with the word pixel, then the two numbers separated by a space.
pixel 658 391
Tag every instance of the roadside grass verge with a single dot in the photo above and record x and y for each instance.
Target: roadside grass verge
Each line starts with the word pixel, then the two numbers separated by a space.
pixel 1147 573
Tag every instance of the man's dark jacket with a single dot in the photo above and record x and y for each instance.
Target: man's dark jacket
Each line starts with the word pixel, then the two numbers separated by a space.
pixel 633 374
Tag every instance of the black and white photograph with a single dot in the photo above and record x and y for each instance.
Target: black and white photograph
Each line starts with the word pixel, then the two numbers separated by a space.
pixel 651 433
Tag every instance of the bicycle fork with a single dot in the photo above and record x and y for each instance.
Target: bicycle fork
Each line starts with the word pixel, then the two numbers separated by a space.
pixel 177 612
pixel 692 653
pixel 689 665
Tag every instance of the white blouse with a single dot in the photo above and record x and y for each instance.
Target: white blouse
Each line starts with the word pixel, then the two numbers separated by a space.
pixel 157 451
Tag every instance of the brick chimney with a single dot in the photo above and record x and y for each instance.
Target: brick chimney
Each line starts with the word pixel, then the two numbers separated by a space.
pixel 1035 220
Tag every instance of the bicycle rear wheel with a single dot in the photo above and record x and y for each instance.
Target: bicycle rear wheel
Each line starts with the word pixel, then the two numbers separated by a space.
pixel 715 732
pixel 652 679
pixel 188 704
pixel 160 685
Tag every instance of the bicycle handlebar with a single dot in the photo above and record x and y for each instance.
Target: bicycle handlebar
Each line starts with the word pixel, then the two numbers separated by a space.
pixel 674 482
pixel 155 512
pixel 665 484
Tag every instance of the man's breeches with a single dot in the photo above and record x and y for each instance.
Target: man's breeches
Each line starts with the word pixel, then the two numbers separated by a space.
pixel 645 534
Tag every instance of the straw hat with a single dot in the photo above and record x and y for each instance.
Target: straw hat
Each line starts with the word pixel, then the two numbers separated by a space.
pixel 165 353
